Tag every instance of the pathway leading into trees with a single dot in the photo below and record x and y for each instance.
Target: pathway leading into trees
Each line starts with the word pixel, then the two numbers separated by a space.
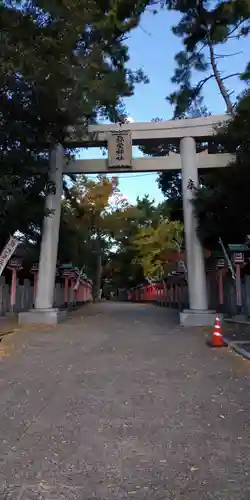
pixel 120 403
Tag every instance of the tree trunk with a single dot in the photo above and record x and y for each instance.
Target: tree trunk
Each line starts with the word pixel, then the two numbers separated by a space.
pixel 223 90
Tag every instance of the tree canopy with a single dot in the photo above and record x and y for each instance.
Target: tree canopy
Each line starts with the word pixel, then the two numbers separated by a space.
pixel 154 246
pixel 65 65
pixel 204 29
pixel 100 214
pixel 61 65
pixel 221 202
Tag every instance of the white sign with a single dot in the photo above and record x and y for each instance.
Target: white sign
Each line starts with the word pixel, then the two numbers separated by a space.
pixel 238 257
pixel 221 263
pixel 78 281
pixel 120 149
pixel 8 251
pixel 181 266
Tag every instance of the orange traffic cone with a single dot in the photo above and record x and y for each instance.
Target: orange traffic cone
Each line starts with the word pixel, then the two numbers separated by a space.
pixel 217 339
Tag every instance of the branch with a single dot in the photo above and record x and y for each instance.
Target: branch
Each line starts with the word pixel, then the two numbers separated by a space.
pixel 222 88
pixel 234 37
pixel 218 56
pixel 230 76
pixel 202 83
pixel 235 28
pixel 202 47
pixel 145 31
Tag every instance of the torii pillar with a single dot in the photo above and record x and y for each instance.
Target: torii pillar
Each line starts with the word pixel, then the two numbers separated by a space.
pixel 198 314
pixel 44 312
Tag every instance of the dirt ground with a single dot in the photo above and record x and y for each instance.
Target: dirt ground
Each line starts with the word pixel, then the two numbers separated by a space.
pixel 121 402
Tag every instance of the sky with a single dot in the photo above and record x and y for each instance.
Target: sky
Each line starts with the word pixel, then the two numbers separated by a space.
pixel 152 47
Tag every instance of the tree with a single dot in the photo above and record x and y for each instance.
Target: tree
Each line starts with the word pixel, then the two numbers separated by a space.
pixel 122 269
pixel 203 27
pixel 152 245
pixel 222 204
pixel 169 181
pixel 61 65
pixel 100 211
pixel 145 245
pixel 74 245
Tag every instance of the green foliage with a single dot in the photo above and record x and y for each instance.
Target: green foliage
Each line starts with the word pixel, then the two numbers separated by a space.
pixel 202 27
pixel 169 181
pixel 145 245
pixel 96 215
pixel 74 243
pixel 222 204
pixel 121 270
pixel 153 243
pixel 222 201
pixel 61 65
pixel 121 266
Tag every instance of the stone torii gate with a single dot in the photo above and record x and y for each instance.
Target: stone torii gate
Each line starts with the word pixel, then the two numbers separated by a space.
pixel 120 139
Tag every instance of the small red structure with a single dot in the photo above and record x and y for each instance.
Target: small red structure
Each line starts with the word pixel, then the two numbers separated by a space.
pixel 167 292
pixel 14 265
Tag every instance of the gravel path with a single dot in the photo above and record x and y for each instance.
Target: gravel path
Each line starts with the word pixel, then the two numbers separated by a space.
pixel 122 403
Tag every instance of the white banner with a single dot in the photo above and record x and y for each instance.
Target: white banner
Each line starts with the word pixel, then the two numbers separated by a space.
pixel 8 251
pixel 80 275
pixel 227 259
pixel 77 283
